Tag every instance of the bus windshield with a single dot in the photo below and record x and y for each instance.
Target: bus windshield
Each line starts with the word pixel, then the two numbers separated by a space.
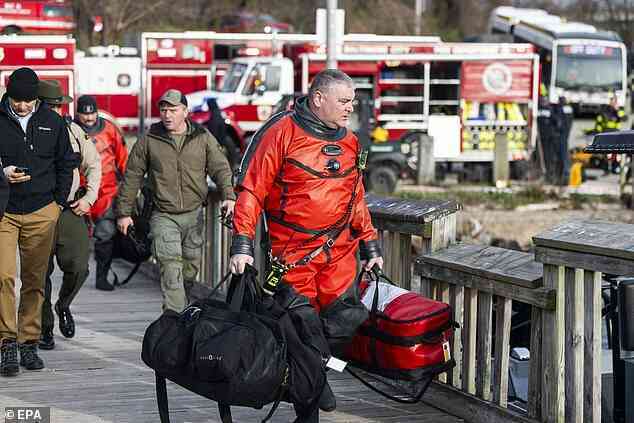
pixel 233 77
pixel 589 68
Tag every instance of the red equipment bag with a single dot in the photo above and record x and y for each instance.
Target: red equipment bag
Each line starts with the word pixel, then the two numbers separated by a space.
pixel 406 338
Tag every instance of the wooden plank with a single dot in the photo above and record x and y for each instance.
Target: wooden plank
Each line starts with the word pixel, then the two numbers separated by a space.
pixel 535 371
pixel 574 345
pixel 456 294
pixel 495 263
pixel 483 345
pixel 399 210
pixel 387 248
pixel 587 261
pixel 502 349
pixel 443 296
pixel 553 349
pixel 98 375
pixel 406 261
pixel 470 408
pixel 592 348
pixel 469 340
pixel 541 297
pixel 590 236
pixel 394 252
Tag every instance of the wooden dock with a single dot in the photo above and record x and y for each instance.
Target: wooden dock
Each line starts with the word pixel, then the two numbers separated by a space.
pixel 98 376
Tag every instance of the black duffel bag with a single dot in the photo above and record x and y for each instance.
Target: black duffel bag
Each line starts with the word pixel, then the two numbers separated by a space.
pixel 243 352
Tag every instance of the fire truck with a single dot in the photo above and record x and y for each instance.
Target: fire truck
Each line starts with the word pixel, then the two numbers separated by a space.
pixel 112 75
pixel 50 56
pixel 43 17
pixel 462 94
pixel 197 62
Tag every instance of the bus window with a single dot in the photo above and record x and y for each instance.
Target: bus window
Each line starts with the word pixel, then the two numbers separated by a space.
pixel 589 68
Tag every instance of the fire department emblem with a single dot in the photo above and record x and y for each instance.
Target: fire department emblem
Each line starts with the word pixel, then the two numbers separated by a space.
pixel 497 78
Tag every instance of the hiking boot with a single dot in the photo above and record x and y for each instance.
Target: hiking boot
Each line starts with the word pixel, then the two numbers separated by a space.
pixel 327 401
pixel 66 321
pixel 29 358
pixel 47 341
pixel 9 358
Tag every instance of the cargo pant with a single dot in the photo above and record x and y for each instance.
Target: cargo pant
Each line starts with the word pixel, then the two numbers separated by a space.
pixel 32 234
pixel 72 250
pixel 177 247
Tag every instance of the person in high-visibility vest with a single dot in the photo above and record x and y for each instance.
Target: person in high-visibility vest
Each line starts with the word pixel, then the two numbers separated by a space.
pixel 610 117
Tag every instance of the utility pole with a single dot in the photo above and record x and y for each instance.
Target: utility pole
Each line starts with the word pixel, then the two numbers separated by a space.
pixel 331 34
pixel 421 6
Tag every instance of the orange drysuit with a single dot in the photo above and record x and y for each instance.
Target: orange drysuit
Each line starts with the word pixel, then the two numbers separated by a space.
pixel 303 176
pixel 114 156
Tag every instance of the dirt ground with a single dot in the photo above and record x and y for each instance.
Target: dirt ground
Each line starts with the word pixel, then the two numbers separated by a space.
pixel 481 225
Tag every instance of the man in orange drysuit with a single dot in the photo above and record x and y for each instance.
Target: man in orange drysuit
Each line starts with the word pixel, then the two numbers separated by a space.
pixel 303 170
pixel 114 156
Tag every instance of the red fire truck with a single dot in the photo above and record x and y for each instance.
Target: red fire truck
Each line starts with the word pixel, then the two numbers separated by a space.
pixel 114 79
pixel 50 56
pixel 50 17
pixel 195 62
pixel 460 93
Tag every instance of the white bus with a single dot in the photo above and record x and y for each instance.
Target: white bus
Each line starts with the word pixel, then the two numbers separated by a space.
pixel 578 61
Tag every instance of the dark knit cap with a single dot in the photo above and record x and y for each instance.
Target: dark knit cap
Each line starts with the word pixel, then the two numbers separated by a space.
pixel 86 104
pixel 23 85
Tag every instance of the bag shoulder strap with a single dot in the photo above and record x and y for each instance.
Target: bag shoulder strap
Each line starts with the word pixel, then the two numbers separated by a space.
pixel 161 398
pixel 225 413
pixel 410 400
pixel 116 281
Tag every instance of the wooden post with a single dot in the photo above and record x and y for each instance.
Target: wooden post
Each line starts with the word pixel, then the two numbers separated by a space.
pixel 501 166
pixel 502 346
pixel 483 346
pixel 457 306
pixel 436 235
pixel 426 163
pixel 553 348
pixel 469 340
pixel 574 345
pixel 592 347
pixel 535 371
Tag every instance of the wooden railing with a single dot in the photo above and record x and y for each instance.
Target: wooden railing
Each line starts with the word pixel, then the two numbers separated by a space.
pixel 564 380
pixel 397 221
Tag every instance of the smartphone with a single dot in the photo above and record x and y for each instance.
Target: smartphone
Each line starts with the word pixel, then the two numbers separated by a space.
pixel 22 169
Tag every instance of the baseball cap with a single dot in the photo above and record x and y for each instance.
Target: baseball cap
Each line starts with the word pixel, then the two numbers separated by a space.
pixel 86 104
pixel 173 97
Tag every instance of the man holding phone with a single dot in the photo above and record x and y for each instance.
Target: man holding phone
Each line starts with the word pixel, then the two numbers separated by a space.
pixel 177 155
pixel 71 247
pixel 38 162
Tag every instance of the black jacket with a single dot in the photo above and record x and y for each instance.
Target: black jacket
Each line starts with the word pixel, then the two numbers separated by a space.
pixel 45 149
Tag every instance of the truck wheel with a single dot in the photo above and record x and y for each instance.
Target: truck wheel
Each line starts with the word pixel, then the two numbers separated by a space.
pixel 12 29
pixel 383 180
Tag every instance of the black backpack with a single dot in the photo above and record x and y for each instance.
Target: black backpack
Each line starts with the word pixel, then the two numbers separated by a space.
pixel 251 350
pixel 136 246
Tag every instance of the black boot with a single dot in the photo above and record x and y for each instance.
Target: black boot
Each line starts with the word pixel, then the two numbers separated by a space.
pixel 47 340
pixel 9 358
pixel 103 257
pixel 66 321
pixel 29 358
pixel 327 401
